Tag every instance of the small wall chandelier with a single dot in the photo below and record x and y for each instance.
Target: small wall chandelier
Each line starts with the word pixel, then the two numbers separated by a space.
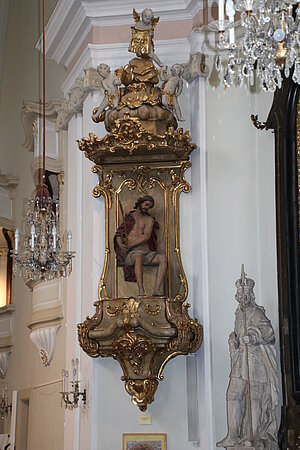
pixel 270 42
pixel 41 257
pixel 5 407
pixel 71 398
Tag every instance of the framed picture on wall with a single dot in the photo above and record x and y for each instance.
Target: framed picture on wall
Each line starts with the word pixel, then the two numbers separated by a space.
pixel 142 441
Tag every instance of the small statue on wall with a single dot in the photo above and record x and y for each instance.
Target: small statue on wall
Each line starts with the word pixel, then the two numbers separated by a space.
pixel 135 245
pixel 110 83
pixel 172 89
pixel 142 35
pixel 252 394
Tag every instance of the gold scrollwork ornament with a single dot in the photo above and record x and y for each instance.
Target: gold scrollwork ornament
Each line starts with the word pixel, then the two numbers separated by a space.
pixel 140 164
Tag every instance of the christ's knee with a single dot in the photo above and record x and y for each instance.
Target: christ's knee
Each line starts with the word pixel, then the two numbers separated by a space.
pixel 138 260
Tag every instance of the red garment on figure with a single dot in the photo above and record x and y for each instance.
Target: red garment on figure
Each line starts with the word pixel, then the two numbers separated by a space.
pixel 129 274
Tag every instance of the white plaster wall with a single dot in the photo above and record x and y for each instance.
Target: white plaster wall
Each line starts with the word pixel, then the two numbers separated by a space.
pixel 241 220
pixel 20 81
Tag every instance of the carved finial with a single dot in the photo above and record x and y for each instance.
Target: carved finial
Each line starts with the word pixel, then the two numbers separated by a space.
pixel 243 275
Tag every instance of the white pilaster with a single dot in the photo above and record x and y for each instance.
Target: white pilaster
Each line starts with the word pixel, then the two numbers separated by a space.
pixel 73 187
pixel 200 260
pixel 92 254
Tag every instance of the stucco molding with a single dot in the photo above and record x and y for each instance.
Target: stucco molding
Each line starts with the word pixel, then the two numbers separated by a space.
pixel 9 182
pixel 30 112
pixel 6 336
pixel 44 339
pixel 196 67
pixel 71 21
pixel 46 317
pixel 91 81
pixel 8 186
pixel 4 363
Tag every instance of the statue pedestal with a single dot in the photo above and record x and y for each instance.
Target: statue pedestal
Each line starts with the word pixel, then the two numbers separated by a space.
pixel 241 448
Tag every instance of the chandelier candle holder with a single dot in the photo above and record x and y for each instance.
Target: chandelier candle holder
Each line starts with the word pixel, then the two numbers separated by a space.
pixel 5 408
pixel 270 45
pixel 71 398
pixel 41 257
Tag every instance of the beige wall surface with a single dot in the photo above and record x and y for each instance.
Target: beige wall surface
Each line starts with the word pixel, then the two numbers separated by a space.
pixel 21 80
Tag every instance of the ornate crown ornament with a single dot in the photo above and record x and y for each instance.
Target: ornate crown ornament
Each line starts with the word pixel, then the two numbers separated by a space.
pixel 141 316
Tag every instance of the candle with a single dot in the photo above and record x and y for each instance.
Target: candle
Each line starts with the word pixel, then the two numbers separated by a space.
pixel 77 367
pixel 54 233
pixel 17 237
pixel 73 371
pixel 32 237
pixel 230 12
pixel 221 10
pixel 231 32
pixel 63 373
pixel 69 240
pixel 67 381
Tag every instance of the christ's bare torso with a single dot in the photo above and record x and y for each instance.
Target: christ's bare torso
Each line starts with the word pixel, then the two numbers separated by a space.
pixel 141 231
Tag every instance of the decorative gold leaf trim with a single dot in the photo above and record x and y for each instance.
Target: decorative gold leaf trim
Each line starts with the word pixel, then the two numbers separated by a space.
pixel 129 137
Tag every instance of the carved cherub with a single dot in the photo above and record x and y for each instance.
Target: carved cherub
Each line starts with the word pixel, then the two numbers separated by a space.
pixel 172 88
pixel 110 83
pixel 142 35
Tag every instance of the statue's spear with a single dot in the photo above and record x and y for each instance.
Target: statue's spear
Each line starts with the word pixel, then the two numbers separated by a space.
pixel 124 221
pixel 243 283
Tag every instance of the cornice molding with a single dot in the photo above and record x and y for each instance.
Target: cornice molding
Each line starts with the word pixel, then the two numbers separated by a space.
pixel 71 21
pixel 9 182
pixel 32 111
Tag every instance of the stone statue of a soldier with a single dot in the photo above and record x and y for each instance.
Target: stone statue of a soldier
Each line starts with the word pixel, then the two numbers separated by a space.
pixel 252 394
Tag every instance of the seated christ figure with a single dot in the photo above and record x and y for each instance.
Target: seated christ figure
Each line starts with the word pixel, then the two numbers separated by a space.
pixel 135 244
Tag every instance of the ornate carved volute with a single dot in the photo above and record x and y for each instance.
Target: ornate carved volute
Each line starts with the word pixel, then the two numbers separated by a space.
pixel 141 316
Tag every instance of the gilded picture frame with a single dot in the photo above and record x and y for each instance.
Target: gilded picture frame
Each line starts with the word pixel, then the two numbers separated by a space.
pixel 144 441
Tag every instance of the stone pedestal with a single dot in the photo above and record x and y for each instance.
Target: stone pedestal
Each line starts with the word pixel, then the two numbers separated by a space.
pixel 241 448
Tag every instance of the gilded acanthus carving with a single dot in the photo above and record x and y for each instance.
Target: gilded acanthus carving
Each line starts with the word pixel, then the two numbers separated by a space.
pixel 141 316
pixel 128 137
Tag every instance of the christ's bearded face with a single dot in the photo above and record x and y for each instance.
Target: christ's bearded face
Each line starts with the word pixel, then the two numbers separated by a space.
pixel 147 204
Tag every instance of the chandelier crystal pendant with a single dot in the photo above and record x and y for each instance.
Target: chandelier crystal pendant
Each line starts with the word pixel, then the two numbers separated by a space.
pixel 39 255
pixel 270 44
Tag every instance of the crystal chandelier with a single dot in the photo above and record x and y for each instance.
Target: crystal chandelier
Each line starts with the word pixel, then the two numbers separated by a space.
pixel 40 256
pixel 270 44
